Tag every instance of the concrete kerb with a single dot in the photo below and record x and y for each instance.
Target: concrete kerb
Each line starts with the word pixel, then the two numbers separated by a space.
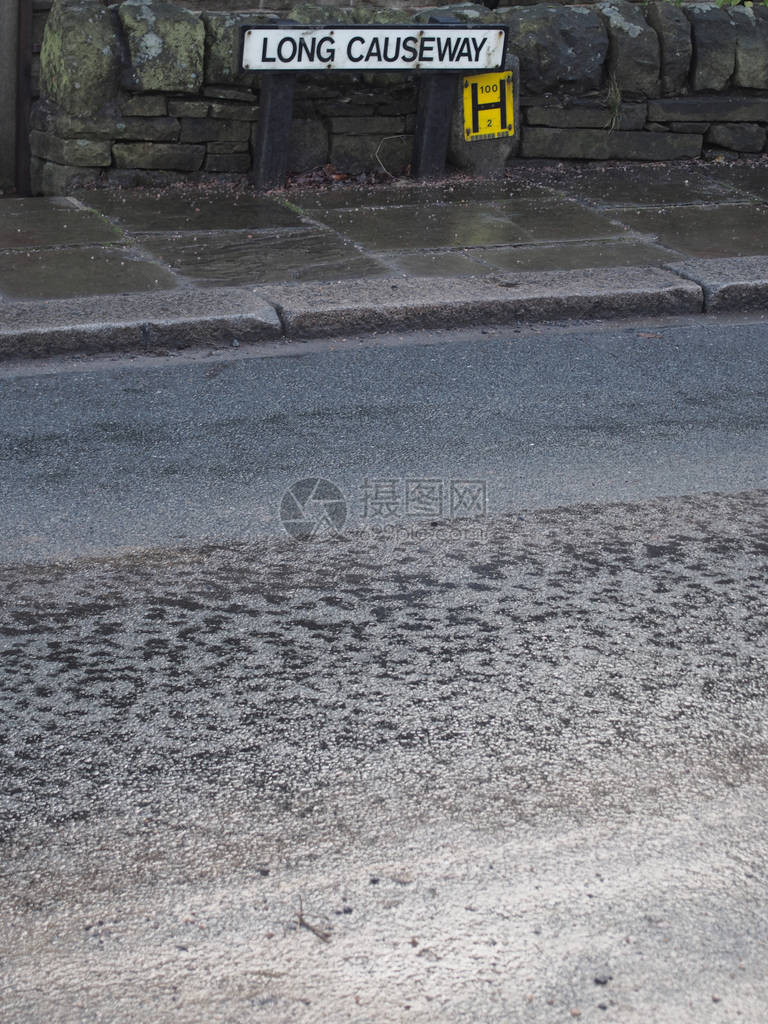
pixel 319 310
pixel 213 317
pixel 219 317
pixel 728 285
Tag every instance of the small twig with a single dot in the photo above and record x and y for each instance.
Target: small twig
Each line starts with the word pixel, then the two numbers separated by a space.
pixel 304 923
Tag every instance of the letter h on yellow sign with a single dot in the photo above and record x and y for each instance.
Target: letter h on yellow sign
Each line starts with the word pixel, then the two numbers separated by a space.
pixel 489 109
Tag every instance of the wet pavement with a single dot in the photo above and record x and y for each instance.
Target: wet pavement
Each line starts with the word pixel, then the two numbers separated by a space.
pixel 540 218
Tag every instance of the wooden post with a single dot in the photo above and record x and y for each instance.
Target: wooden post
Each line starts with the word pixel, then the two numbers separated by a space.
pixel 9 36
pixel 23 97
pixel 269 163
pixel 437 95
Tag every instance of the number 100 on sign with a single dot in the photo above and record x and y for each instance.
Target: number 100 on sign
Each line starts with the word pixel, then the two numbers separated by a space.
pixel 489 109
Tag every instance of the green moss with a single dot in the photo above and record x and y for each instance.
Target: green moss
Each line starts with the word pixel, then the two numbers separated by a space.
pixel 79 57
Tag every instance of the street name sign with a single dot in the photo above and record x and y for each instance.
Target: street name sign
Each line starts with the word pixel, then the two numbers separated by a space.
pixel 374 48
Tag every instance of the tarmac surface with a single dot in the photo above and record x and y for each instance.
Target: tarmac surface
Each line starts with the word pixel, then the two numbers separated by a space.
pixel 201 447
pixel 220 264
pixel 522 779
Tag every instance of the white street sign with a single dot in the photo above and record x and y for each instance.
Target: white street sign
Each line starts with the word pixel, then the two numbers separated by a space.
pixel 374 48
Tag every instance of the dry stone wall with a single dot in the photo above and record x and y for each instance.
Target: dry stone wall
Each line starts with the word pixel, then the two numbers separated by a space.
pixel 147 91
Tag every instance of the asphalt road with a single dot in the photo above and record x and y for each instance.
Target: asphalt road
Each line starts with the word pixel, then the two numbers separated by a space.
pixel 508 768
pixel 114 454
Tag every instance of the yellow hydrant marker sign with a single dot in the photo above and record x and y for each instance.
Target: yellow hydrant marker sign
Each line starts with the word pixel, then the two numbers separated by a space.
pixel 489 109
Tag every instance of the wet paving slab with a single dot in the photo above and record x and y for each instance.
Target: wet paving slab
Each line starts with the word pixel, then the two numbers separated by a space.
pixel 141 210
pixel 575 256
pixel 722 230
pixel 552 220
pixel 670 185
pixel 78 272
pixel 750 181
pixel 403 228
pixel 242 258
pixel 546 219
pixel 409 193
pixel 29 223
pixel 436 264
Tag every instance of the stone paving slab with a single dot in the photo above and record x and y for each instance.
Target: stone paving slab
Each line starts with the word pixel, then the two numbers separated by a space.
pixel 81 271
pixel 161 210
pixel 632 186
pixel 705 231
pixel 402 228
pixel 575 255
pixel 26 223
pixel 410 193
pixel 230 257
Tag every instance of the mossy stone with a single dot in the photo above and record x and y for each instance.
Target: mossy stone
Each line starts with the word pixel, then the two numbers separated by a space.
pixel 166 45
pixel 79 59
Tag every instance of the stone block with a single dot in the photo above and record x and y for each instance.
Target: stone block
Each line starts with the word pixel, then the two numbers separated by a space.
pixel 227 163
pixel 587 113
pixel 166 46
pixel 338 107
pixel 356 153
pixel 209 129
pixel 675 47
pixel 159 156
pixel 137 178
pixel 751 70
pixel 143 106
pixel 146 129
pixel 367 125
pixel 80 56
pixel 228 147
pixel 47 118
pixel 593 144
pixel 222 45
pixel 558 47
pixel 188 108
pixel 691 127
pixel 709 108
pixel 714 47
pixel 466 13
pixel 236 111
pixel 633 49
pixel 742 137
pixel 52 179
pixel 75 152
pixel 309 146
pixel 216 92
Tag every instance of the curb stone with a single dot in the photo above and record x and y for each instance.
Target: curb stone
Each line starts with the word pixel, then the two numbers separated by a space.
pixel 140 321
pixel 221 317
pixel 318 310
pixel 729 285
